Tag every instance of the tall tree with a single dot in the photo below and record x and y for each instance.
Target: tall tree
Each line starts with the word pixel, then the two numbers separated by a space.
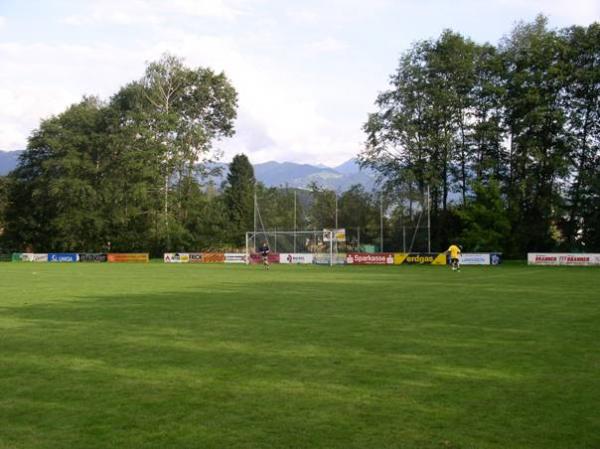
pixel 239 197
pixel 56 191
pixel 535 81
pixel 485 223
pixel 125 172
pixel 582 103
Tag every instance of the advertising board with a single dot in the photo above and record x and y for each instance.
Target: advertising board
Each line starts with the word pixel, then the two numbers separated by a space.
pixel 213 257
pixel 420 259
pixel 128 257
pixel 370 258
pixel 195 257
pixel 475 259
pixel 339 235
pixel 257 258
pixel 235 258
pixel 93 257
pixel 63 257
pixel 33 257
pixel 176 258
pixel 566 259
pixel 5 257
pixel 296 258
pixel 325 259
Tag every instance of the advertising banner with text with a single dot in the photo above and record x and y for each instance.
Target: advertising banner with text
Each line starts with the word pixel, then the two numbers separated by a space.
pixel 370 258
pixel 326 259
pixel 195 257
pixel 474 259
pixel 257 258
pixel 419 259
pixel 176 258
pixel 235 258
pixel 93 257
pixel 128 257
pixel 213 257
pixel 33 257
pixel 63 257
pixel 338 235
pixel 566 259
pixel 299 258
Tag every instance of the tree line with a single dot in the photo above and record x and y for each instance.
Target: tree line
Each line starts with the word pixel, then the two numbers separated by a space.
pixel 506 138
pixel 501 144
pixel 135 173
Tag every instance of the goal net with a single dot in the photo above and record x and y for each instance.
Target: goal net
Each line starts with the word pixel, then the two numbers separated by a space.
pixel 320 247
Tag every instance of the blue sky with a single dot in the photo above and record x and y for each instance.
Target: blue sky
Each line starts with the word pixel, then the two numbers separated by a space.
pixel 307 72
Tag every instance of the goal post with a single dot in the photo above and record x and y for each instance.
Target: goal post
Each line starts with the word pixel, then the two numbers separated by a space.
pixel 320 244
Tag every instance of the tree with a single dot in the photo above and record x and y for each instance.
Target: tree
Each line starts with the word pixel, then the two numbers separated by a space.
pixel 55 193
pixel 486 226
pixel 3 206
pixel 181 112
pixel 125 172
pixel 582 103
pixel 239 197
pixel 535 117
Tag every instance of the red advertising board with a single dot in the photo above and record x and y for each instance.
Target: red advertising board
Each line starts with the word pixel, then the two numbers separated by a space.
pixel 370 258
pixel 257 258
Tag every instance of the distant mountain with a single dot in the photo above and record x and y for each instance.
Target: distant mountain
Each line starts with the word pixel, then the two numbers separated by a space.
pixel 271 174
pixel 291 174
pixel 8 161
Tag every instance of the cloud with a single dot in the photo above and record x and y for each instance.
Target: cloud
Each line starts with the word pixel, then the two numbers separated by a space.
pixel 2 22
pixel 326 45
pixel 152 12
pixel 281 109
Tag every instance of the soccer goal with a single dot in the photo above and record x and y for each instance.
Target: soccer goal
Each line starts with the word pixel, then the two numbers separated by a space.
pixel 320 247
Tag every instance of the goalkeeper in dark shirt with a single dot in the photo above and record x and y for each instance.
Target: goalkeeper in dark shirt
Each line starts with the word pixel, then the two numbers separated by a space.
pixel 264 251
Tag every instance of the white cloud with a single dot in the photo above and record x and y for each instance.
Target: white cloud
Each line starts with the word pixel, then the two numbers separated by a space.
pixel 280 115
pixel 2 22
pixel 152 12
pixel 327 45
pixel 272 99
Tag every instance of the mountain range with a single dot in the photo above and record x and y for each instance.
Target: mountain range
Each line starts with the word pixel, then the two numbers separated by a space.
pixel 273 174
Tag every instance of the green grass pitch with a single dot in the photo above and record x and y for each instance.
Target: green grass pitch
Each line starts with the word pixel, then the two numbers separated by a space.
pixel 190 356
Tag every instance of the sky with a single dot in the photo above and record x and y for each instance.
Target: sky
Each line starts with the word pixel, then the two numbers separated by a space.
pixel 307 72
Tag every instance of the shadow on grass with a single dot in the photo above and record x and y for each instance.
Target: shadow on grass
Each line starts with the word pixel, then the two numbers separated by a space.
pixel 284 366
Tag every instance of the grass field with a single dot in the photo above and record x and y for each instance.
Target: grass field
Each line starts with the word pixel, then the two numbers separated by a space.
pixel 168 356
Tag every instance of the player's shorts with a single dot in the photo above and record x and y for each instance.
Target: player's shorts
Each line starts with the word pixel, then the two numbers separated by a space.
pixel 453 260
pixel 265 259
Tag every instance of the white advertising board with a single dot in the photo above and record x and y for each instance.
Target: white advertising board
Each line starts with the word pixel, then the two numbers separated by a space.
pixel 568 259
pixel 296 258
pixel 34 257
pixel 339 235
pixel 235 258
pixel 176 258
pixel 475 259
pixel 325 259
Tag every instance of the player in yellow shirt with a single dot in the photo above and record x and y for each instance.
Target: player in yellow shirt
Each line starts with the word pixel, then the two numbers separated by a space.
pixel 454 251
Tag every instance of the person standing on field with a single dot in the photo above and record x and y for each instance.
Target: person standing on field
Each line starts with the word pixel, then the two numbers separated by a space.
pixel 264 251
pixel 454 251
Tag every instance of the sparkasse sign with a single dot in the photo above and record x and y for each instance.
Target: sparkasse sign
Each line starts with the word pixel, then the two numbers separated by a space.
pixel 370 258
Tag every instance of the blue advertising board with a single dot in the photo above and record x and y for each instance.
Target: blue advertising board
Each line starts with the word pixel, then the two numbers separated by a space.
pixel 63 257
